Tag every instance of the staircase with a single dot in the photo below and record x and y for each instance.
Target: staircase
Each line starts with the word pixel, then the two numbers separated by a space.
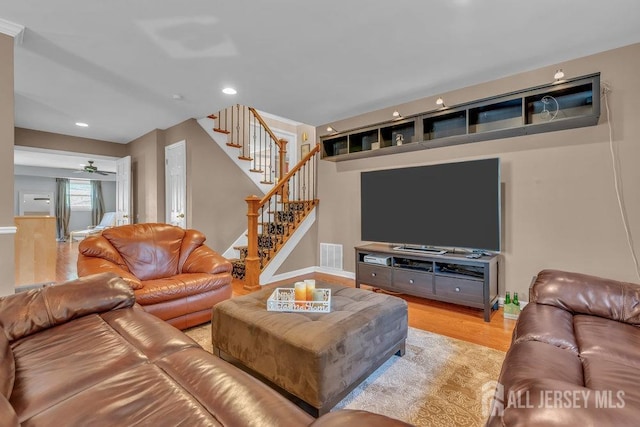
pixel 272 220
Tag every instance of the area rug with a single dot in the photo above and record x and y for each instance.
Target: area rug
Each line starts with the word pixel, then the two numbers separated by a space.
pixel 440 381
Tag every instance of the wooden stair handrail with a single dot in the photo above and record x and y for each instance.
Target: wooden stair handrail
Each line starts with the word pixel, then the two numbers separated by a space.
pixel 265 126
pixel 288 176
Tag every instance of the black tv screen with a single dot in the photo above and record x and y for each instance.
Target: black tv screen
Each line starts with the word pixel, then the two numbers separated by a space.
pixel 445 205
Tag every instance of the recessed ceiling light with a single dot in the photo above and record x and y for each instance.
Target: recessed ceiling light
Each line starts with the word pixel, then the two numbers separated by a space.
pixel 177 96
pixel 82 125
pixel 229 91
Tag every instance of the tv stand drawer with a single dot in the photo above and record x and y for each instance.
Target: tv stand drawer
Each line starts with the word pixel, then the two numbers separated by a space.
pixel 462 290
pixel 374 275
pixel 413 282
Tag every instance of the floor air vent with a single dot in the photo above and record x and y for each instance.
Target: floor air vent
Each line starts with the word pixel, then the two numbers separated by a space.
pixel 331 255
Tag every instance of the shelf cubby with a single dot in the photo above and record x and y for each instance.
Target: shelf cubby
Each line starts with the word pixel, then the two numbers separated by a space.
pixel 363 141
pixel 397 134
pixel 498 116
pixel 335 146
pixel 445 125
pixel 568 103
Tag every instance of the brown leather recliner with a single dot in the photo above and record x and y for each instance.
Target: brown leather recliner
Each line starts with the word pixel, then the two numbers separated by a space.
pixel 173 274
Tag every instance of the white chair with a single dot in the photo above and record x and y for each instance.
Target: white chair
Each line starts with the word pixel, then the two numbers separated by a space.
pixel 108 220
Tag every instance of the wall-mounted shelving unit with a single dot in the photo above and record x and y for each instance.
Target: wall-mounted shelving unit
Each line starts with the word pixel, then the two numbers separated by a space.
pixel 556 106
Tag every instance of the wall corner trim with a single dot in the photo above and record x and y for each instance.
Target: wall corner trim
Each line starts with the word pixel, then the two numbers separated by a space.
pixel 8 230
pixel 13 30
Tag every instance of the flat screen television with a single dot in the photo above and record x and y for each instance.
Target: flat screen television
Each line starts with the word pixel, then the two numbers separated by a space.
pixel 451 205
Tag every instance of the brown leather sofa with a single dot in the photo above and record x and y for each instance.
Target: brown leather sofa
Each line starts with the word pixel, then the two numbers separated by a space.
pixel 174 275
pixel 84 354
pixel 575 355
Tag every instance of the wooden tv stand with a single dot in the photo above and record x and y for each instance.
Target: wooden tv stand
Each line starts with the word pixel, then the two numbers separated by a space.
pixel 450 277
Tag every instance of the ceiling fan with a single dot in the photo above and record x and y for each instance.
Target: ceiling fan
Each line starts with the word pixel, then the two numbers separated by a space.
pixel 90 168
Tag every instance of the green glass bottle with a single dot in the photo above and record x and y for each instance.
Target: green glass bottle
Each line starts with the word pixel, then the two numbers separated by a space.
pixel 507 298
pixel 515 299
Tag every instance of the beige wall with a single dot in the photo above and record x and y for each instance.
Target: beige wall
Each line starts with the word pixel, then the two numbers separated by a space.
pixel 216 187
pixel 56 141
pixel 147 171
pixel 561 209
pixel 304 254
pixel 6 164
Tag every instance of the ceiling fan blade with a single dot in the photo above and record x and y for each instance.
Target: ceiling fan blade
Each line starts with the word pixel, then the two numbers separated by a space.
pixel 101 173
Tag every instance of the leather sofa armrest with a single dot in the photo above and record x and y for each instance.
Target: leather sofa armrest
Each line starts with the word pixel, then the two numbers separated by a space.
pixel 585 294
pixel 350 417
pixel 203 259
pixel 29 312
pixel 91 265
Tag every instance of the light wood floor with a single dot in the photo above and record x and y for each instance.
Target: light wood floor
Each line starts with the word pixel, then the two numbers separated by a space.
pixel 454 321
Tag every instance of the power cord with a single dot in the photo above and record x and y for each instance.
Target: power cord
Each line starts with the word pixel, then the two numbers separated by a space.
pixel 616 180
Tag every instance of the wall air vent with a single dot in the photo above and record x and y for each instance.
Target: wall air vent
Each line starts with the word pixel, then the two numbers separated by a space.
pixel 331 256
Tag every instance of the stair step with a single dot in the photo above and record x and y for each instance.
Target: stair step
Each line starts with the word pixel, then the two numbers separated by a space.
pixel 266 182
pixel 266 241
pixel 212 116
pixel 273 228
pixel 231 144
pixel 238 270
pixel 221 131
pixel 284 216
pixel 245 158
pixel 256 170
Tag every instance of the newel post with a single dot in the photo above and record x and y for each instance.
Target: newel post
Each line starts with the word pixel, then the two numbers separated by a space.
pixel 252 261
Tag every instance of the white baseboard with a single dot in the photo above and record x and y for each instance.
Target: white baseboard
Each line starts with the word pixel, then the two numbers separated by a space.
pixel 290 274
pixel 336 272
pixel 309 270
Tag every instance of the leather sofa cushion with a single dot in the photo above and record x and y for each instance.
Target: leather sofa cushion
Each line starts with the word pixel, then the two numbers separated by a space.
pixel 92 265
pixel 205 260
pixel 7 367
pixel 8 417
pixel 548 324
pixel 612 377
pixel 192 240
pixel 150 251
pixel 29 312
pixel 550 362
pixel 585 294
pixel 608 340
pixel 178 286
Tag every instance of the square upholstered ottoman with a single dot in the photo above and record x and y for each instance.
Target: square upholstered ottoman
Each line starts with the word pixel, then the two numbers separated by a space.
pixel 317 357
